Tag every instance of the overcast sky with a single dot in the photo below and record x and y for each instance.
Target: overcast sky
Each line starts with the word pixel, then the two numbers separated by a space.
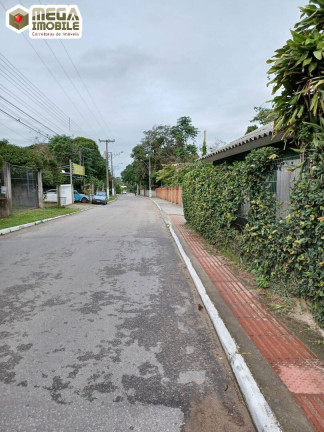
pixel 149 62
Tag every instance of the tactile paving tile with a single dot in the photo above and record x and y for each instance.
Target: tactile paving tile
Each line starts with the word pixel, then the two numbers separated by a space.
pixel 303 377
pixel 297 367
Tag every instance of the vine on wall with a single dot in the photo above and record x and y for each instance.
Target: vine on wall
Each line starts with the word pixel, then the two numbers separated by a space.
pixel 287 252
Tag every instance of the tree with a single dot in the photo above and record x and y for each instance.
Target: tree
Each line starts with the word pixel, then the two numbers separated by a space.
pixel 82 151
pixel 131 176
pixel 185 135
pixel 204 146
pixel 35 157
pixel 61 146
pixel 262 117
pixel 161 145
pixel 251 129
pixel 298 69
pixel 87 152
pixel 218 144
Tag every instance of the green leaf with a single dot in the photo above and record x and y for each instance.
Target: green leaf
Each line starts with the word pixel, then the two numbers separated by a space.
pixel 300 151
pixel 312 67
pixel 318 55
pixel 306 62
pixel 300 112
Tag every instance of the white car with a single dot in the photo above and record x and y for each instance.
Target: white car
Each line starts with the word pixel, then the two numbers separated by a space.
pixel 50 195
pixel 124 192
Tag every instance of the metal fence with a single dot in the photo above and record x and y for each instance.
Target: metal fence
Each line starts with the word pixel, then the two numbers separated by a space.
pixel 279 182
pixel 287 175
pixel 24 188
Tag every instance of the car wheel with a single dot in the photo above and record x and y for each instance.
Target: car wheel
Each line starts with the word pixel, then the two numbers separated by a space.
pixel 84 200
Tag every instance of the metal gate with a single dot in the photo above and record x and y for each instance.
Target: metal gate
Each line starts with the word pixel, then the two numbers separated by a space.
pixel 24 188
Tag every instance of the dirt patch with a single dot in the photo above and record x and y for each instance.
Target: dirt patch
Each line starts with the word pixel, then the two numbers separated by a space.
pixel 81 206
pixel 212 414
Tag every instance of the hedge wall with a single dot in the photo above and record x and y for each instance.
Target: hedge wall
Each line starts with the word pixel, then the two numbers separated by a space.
pixel 287 253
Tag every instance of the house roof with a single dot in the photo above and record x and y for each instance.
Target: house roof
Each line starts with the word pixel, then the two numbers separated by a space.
pixel 258 138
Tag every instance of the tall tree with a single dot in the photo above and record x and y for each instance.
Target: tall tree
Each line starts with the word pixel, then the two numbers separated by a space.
pixel 79 150
pixel 261 118
pixel 185 135
pixel 161 145
pixel 204 146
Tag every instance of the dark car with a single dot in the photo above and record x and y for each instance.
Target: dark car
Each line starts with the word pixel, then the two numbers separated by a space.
pixel 100 198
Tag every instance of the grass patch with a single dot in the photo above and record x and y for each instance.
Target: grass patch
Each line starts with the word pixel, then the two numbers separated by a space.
pixel 33 216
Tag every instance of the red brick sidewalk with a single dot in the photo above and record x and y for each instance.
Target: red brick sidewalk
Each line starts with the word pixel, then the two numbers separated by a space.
pixel 297 367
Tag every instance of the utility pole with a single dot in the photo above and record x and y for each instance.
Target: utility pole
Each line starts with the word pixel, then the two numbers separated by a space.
pixel 112 176
pixel 107 172
pixel 150 189
pixel 71 181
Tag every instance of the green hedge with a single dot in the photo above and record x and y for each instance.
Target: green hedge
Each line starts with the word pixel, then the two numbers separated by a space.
pixel 286 252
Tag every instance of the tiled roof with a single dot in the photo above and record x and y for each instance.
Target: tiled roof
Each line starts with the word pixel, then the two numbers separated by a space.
pixel 257 138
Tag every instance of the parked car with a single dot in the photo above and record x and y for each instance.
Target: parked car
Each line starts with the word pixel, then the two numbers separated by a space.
pixel 79 197
pixel 50 195
pixel 124 192
pixel 100 198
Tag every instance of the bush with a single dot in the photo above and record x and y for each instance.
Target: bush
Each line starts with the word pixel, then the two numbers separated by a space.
pixel 288 252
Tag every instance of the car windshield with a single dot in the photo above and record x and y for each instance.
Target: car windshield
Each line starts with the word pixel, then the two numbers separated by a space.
pixel 101 193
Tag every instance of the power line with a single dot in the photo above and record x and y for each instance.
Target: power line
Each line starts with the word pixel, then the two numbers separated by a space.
pixel 59 84
pixel 71 81
pixel 22 123
pixel 28 115
pixel 12 130
pixel 33 89
pixel 23 118
pixel 82 81
pixel 16 84
pixel 23 103
pixel 51 73
pixel 69 78
pixel 84 85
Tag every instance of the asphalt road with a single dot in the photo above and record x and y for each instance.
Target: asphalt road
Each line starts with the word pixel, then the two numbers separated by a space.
pixel 100 330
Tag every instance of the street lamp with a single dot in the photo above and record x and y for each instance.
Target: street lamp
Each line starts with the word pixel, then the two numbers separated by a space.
pixel 149 173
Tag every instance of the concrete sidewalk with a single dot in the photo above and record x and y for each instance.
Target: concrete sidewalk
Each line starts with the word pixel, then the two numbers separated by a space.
pixel 288 373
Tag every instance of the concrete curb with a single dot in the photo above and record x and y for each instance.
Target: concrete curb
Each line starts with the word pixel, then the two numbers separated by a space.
pixel 19 227
pixel 261 413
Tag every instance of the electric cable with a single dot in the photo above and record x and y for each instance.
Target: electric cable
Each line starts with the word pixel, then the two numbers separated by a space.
pixel 22 123
pixel 28 115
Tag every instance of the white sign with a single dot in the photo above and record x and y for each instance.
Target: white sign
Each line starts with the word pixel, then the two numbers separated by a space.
pixel 46 21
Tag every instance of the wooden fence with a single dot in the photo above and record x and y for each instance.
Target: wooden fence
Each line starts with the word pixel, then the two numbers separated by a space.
pixel 172 194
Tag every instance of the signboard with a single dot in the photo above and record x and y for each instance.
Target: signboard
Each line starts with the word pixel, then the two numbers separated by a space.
pixel 78 169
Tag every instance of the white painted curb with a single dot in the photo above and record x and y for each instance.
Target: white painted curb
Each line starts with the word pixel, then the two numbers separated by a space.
pixel 19 227
pixel 261 413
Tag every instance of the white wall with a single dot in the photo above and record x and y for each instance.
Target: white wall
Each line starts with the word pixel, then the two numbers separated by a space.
pixel 146 192
pixel 66 194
